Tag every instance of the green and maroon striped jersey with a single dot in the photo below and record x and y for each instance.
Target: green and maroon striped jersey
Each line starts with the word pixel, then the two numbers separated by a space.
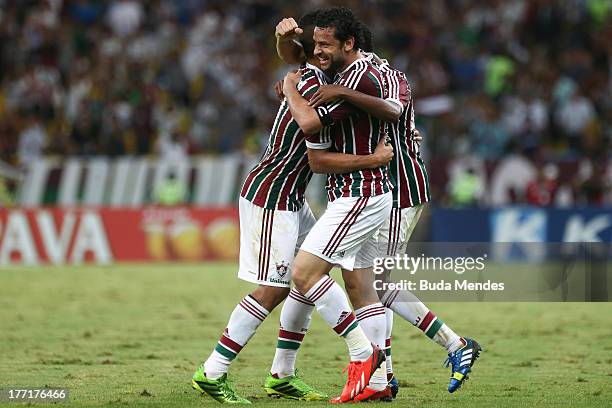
pixel 353 131
pixel 280 178
pixel 406 169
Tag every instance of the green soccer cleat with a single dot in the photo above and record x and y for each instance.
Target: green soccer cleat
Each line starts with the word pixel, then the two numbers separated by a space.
pixel 292 388
pixel 220 389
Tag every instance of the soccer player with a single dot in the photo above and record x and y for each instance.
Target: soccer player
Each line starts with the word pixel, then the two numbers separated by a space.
pixel 359 201
pixel 274 219
pixel 410 193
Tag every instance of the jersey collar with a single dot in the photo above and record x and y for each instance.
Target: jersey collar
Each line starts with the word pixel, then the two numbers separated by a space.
pixel 366 57
pixel 316 69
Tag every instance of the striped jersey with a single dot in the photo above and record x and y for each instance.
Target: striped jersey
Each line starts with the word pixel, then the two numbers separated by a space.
pixel 406 169
pixel 280 178
pixel 353 131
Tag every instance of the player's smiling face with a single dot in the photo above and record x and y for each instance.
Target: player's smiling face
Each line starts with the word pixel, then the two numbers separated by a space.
pixel 329 51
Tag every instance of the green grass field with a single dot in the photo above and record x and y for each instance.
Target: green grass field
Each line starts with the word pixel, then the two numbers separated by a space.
pixel 131 335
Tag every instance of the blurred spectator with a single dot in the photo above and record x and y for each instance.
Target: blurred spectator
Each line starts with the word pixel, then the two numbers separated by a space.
pixel 125 16
pixel 498 71
pixel 594 189
pixel 466 188
pixel 173 149
pixel 190 77
pixel 489 134
pixel 542 191
pixel 31 140
pixel 574 116
pixel 171 191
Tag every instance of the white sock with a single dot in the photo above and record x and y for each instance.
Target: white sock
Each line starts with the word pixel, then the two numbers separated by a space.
pixel 374 323
pixel 389 318
pixel 295 318
pixel 242 324
pixel 332 304
pixel 410 308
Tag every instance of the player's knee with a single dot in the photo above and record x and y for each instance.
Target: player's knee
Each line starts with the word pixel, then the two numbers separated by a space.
pixel 270 296
pixel 352 284
pixel 299 276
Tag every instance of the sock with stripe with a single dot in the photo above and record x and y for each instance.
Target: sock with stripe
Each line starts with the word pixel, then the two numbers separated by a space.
pixel 295 318
pixel 389 329
pixel 411 309
pixel 374 323
pixel 242 324
pixel 333 306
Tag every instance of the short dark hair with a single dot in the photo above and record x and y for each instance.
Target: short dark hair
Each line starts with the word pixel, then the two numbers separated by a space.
pixel 344 22
pixel 307 23
pixel 367 38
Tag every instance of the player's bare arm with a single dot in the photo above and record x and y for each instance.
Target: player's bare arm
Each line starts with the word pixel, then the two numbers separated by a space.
pixel 326 162
pixel 305 115
pixel 287 47
pixel 320 160
pixel 378 107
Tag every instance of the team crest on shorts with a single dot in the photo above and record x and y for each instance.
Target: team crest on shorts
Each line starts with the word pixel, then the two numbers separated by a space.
pixel 282 269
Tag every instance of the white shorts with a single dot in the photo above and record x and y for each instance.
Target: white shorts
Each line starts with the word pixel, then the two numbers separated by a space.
pixel 346 226
pixel 393 236
pixel 269 240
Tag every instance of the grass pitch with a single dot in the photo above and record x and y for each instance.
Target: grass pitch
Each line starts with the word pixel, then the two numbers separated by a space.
pixel 132 335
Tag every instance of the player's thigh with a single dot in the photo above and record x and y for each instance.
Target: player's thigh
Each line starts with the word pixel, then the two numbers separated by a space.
pixel 347 223
pixel 267 244
pixel 306 222
pixel 397 230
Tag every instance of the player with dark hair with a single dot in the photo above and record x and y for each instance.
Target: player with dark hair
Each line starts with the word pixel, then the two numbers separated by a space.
pixel 274 219
pixel 359 200
pixel 411 191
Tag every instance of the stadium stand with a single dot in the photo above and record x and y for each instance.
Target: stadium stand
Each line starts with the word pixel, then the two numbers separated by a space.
pixel 90 91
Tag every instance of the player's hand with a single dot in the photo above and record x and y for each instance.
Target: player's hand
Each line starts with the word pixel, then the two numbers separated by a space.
pixel 290 81
pixel 417 137
pixel 278 89
pixel 383 152
pixel 287 29
pixel 325 94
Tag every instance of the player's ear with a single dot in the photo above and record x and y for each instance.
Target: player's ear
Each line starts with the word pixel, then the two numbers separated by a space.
pixel 349 44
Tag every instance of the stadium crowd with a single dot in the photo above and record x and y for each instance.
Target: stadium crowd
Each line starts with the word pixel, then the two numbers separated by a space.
pixel 176 77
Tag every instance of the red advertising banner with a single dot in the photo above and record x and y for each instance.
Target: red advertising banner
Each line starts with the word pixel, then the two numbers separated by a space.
pixel 105 235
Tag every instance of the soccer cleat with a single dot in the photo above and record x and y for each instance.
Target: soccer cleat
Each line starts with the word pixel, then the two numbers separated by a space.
pixel 292 388
pixel 359 373
pixel 393 384
pixel 220 389
pixel 461 362
pixel 369 394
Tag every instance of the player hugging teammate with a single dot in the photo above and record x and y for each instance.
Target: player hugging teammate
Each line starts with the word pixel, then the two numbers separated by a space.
pixel 375 200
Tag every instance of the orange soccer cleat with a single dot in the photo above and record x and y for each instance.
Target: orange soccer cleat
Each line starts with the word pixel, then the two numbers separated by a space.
pixel 359 373
pixel 369 394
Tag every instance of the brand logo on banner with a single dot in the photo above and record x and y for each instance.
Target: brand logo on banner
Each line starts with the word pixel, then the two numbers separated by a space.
pixel 522 226
pixel 74 236
pixel 37 235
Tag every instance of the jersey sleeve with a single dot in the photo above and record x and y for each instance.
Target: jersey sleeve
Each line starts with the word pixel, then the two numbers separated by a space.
pixel 398 90
pixel 322 139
